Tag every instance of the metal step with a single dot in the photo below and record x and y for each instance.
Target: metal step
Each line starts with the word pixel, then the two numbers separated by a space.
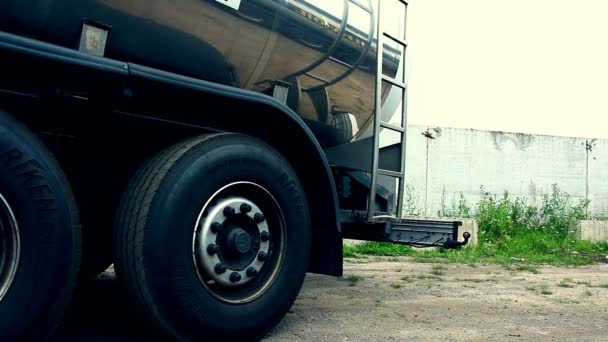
pixel 412 232
pixel 424 233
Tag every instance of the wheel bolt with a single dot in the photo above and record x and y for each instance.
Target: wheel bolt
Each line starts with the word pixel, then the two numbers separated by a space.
pixel 220 268
pixel 216 227
pixel 228 211
pixel 265 236
pixel 235 277
pixel 259 218
pixel 262 256
pixel 251 272
pixel 212 249
pixel 245 208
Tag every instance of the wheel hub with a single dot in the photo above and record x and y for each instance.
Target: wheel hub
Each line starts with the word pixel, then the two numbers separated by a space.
pixel 239 241
pixel 9 247
pixel 228 241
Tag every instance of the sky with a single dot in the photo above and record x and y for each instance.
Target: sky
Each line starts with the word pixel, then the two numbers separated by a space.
pixel 532 66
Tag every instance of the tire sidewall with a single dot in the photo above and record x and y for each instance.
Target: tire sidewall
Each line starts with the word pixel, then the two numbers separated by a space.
pixel 168 241
pixel 45 214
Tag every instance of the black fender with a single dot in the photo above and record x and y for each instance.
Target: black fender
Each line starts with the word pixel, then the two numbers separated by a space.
pixel 121 89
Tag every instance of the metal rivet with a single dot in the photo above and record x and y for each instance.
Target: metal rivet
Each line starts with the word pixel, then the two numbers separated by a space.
pixel 258 218
pixel 251 272
pixel 228 211
pixel 262 256
pixel 265 236
pixel 216 227
pixel 220 268
pixel 212 249
pixel 245 208
pixel 235 277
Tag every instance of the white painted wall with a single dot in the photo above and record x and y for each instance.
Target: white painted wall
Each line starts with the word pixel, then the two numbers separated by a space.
pixel 463 160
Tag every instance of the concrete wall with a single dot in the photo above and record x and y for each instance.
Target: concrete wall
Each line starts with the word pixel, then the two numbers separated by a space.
pixel 463 160
pixel 594 231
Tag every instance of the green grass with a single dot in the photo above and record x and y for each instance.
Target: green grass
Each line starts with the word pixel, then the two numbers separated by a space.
pixel 352 280
pixel 542 289
pixel 396 285
pixel 511 231
pixel 377 248
pixel 438 270
pixel 566 283
pixel 477 280
pixel 528 268
pixel 427 276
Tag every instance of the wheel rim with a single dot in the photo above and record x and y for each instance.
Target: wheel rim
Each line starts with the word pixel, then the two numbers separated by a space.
pixel 238 243
pixel 9 247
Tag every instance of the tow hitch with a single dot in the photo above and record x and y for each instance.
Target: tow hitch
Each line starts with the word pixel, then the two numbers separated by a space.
pixel 452 244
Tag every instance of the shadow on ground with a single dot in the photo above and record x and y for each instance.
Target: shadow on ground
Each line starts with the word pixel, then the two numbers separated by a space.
pixel 101 311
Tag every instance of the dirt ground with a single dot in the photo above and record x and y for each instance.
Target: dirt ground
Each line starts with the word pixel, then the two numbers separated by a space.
pixel 382 299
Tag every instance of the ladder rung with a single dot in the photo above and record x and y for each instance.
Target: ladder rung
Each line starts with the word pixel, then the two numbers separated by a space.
pixel 391 126
pixel 362 6
pixel 390 173
pixel 333 59
pixel 395 39
pixel 316 77
pixel 394 81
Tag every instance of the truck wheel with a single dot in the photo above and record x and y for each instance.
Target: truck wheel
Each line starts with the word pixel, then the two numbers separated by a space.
pixel 39 236
pixel 213 238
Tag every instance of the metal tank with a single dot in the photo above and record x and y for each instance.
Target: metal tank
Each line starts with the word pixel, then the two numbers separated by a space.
pixel 324 50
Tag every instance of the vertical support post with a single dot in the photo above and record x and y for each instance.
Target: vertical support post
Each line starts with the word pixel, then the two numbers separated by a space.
pixel 589 144
pixel 429 136
pixel 403 122
pixel 371 207
pixel 377 121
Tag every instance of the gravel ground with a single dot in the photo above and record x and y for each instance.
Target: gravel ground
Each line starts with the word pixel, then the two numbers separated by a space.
pixel 394 299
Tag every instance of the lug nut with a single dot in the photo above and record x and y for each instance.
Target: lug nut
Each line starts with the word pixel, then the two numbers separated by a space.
pixel 245 208
pixel 258 218
pixel 212 249
pixel 251 272
pixel 235 277
pixel 220 268
pixel 216 227
pixel 265 236
pixel 228 211
pixel 262 256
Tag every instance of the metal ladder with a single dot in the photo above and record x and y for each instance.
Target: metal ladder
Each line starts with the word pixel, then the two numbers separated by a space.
pixel 379 124
pixel 327 56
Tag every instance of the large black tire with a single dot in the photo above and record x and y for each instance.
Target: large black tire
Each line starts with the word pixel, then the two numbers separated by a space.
pixel 154 242
pixel 45 244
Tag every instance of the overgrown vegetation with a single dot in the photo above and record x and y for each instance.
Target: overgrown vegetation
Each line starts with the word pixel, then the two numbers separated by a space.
pixel 511 231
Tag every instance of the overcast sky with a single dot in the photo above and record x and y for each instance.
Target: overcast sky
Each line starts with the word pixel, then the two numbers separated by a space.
pixel 536 66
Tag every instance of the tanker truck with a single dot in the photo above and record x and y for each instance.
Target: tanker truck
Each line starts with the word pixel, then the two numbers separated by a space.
pixel 215 151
